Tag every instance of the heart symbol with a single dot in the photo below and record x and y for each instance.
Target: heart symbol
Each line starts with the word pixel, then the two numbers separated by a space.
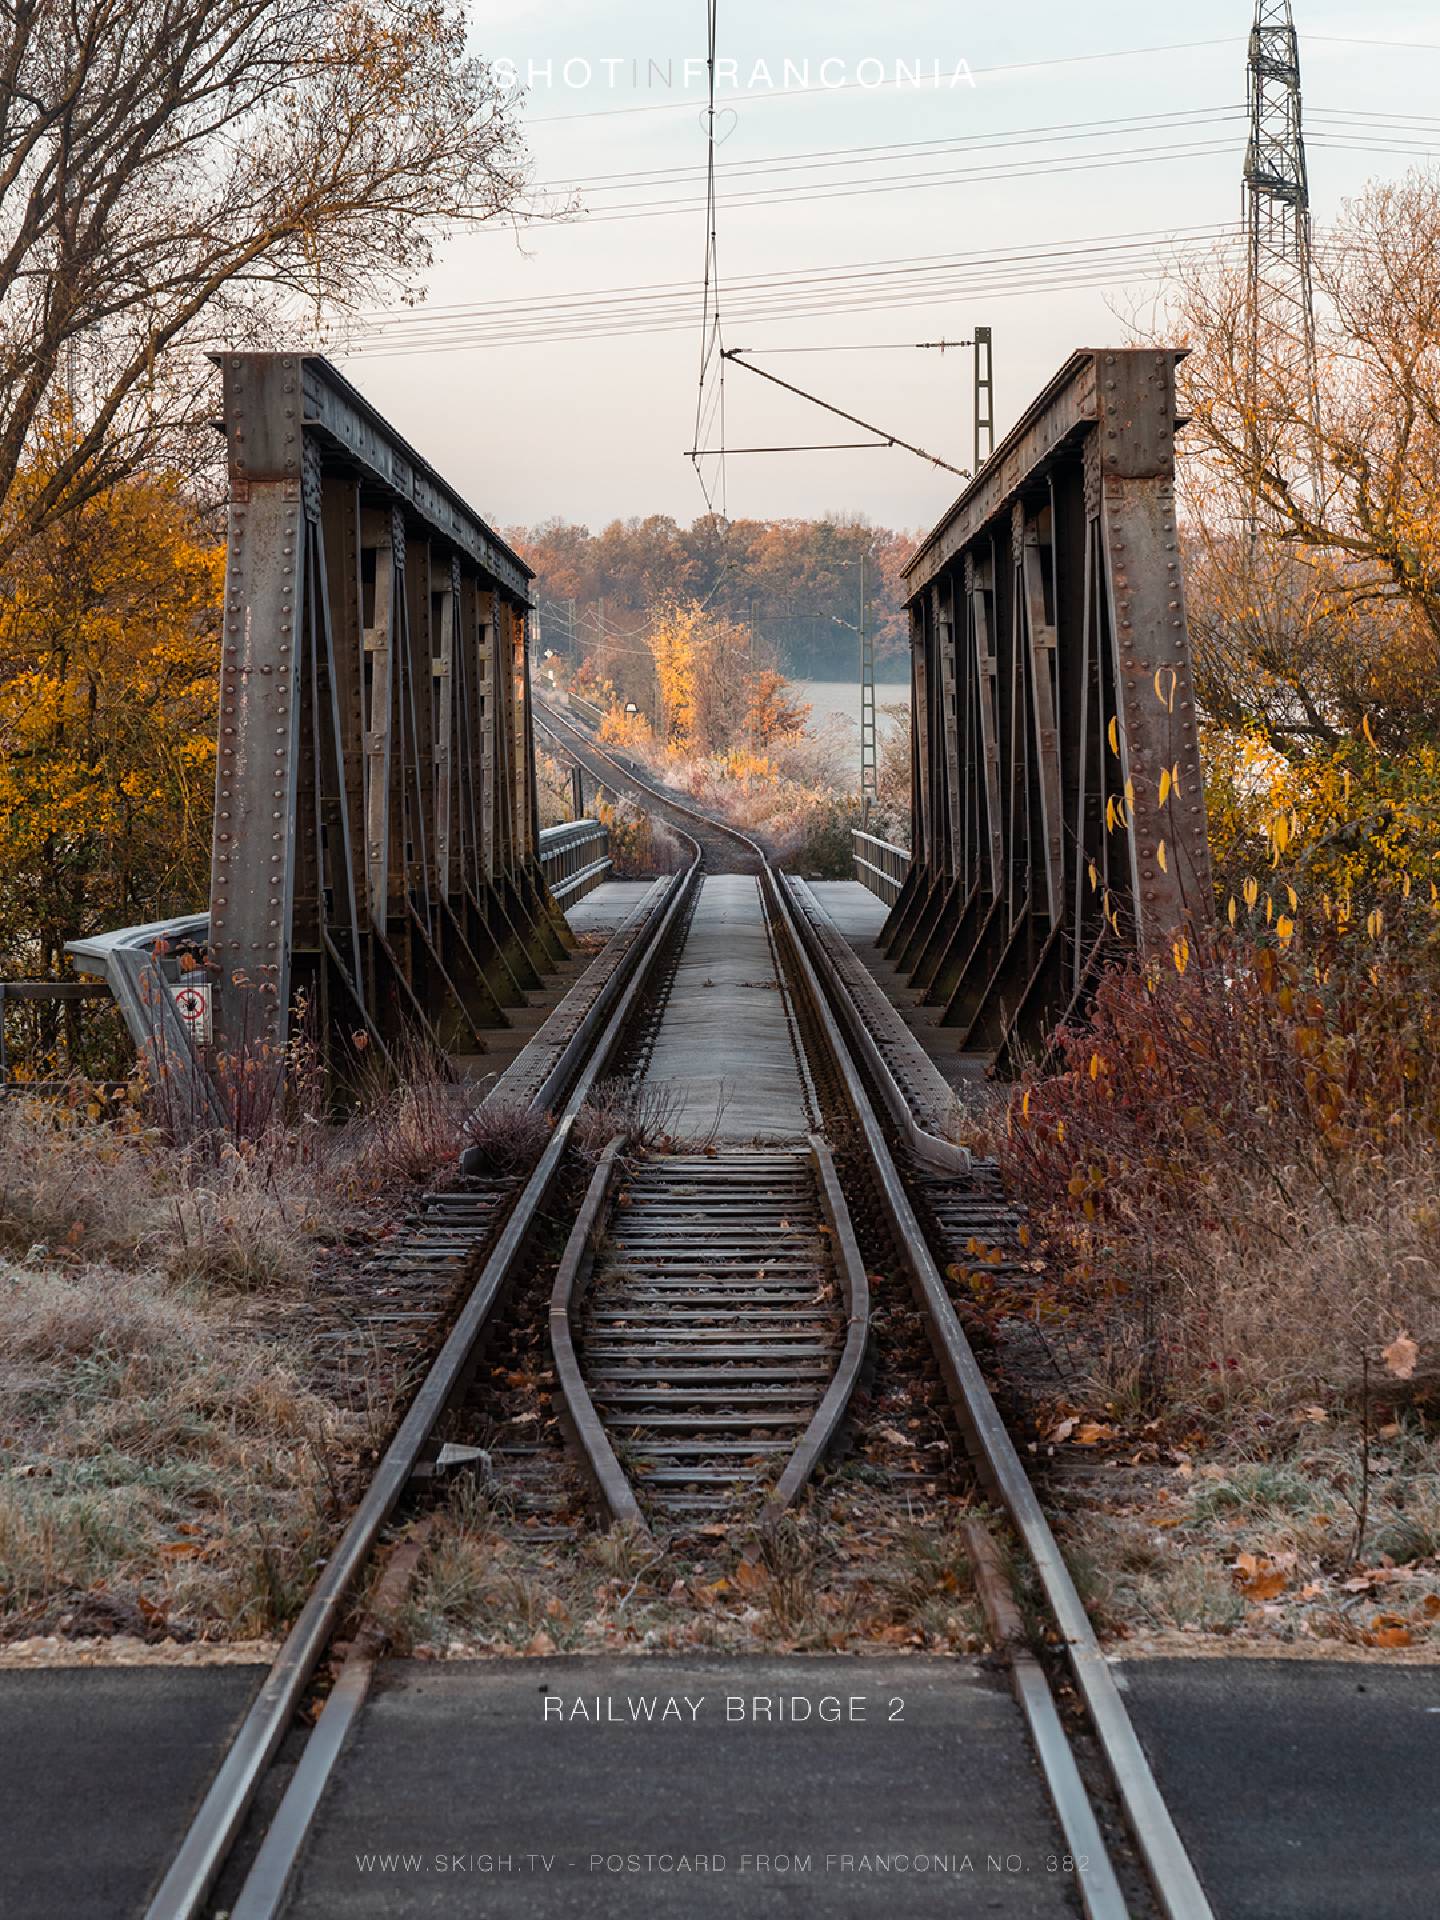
pixel 725 117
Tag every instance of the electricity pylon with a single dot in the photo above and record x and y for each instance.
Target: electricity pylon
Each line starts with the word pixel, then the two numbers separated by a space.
pixel 1281 291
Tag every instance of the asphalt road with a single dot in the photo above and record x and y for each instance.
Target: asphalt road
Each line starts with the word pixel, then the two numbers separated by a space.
pixel 1305 1790
pixel 527 1792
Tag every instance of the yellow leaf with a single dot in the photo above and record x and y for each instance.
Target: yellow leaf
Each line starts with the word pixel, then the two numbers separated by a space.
pixel 1165 784
pixel 1293 898
pixel 1114 735
pixel 1181 951
pixel 1025 1105
pixel 1365 724
pixel 1094 1066
pixel 1094 876
pixel 1130 797
pixel 1285 926
pixel 1251 891
pixel 1160 856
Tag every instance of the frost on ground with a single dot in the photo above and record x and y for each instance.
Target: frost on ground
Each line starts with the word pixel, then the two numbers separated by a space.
pixel 843 1574
pixel 166 1470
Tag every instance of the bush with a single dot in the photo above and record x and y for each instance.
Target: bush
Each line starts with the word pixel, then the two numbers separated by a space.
pixel 1238 1161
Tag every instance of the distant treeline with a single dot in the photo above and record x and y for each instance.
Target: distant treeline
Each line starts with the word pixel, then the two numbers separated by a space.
pixel 796 581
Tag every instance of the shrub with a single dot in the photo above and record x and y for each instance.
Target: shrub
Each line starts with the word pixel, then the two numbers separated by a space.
pixel 1239 1160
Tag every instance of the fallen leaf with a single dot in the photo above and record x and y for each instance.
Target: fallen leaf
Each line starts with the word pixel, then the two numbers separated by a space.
pixel 1091 1433
pixel 1258 1578
pixel 1063 1431
pixel 1400 1357
pixel 541 1643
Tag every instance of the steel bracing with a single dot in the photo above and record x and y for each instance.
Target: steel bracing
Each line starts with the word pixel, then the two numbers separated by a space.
pixel 1058 814
pixel 376 837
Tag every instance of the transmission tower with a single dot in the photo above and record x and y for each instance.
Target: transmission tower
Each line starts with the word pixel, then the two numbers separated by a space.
pixel 1281 290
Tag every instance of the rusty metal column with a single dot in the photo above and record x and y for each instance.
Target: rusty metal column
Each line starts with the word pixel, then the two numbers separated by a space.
pixel 1041 634
pixel 253 864
pixel 1154 695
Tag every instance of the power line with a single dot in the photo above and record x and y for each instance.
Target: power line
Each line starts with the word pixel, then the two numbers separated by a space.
pixel 824 272
pixel 1050 133
pixel 1003 277
pixel 867 184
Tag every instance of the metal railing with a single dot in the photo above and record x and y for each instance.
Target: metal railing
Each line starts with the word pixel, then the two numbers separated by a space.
pixel 880 865
pixel 574 858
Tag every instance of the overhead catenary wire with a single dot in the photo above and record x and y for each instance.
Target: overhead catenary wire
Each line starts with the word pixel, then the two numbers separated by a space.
pixel 889 439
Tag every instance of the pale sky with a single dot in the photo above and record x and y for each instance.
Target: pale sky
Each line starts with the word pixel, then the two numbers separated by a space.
pixel 1097 146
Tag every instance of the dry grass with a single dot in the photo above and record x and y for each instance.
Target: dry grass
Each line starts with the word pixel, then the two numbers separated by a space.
pixel 843 1574
pixel 1236 1181
pixel 163 1472
pixel 164 1468
pixel 646 1113
pixel 1330 1539
pixel 1237 1176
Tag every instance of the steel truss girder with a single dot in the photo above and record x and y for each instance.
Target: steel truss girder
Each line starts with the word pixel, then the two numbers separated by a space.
pixel 376 851
pixel 1052 705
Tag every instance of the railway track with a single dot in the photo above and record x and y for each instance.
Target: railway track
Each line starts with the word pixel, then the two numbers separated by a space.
pixel 708 1320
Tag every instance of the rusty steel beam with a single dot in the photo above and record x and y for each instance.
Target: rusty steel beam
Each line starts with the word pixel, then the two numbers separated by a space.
pixel 375 856
pixel 1059 815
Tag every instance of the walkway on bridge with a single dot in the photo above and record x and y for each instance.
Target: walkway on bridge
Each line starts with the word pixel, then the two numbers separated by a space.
pixel 724 1055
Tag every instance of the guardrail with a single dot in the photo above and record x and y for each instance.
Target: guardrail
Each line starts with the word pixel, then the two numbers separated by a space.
pixel 880 865
pixel 574 858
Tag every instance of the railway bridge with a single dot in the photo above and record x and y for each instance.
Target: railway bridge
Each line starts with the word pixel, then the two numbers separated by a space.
pixel 729 1249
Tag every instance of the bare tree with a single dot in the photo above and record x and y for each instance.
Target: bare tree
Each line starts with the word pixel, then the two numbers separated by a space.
pixel 1334 612
pixel 173 170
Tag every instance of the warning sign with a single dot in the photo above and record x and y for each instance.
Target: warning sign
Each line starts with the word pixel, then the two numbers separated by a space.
pixel 191 1000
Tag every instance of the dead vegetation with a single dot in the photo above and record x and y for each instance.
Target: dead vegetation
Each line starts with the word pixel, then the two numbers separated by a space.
pixel 845 1573
pixel 166 1469
pixel 1234 1178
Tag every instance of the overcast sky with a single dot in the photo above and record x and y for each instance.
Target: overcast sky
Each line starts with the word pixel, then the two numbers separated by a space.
pixel 1087 138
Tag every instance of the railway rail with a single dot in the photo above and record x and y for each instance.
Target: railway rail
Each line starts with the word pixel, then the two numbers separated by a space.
pixel 708 1321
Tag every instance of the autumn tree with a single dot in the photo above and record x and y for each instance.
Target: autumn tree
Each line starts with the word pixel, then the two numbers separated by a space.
pixel 798 580
pixel 1333 612
pixel 108 641
pixel 772 713
pixel 704 677
pixel 176 174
